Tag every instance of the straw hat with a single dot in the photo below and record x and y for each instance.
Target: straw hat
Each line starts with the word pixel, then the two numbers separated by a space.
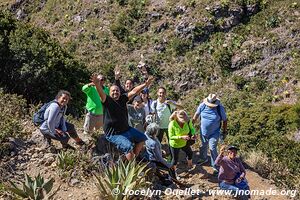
pixel 211 100
pixel 182 116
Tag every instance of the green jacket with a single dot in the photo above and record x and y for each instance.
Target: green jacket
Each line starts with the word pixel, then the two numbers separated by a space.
pixel 175 131
pixel 93 103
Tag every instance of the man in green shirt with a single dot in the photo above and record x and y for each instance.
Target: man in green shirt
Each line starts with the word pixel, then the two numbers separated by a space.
pixel 94 117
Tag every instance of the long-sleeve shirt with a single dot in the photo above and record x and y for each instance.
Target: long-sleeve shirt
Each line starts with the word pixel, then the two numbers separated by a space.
pixel 153 149
pixel 54 118
pixel 229 168
pixel 175 132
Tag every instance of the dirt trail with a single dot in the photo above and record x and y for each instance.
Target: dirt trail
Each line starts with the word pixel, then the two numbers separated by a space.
pixel 76 187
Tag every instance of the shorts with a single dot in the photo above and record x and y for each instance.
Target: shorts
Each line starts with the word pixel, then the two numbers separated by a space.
pixel 92 122
pixel 125 141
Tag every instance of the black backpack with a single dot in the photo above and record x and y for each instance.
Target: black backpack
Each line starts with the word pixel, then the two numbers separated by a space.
pixel 38 117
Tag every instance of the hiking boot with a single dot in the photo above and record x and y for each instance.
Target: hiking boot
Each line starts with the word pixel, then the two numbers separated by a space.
pixel 202 162
pixel 67 146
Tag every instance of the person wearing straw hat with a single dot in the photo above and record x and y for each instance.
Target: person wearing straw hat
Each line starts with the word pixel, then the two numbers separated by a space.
pixel 179 128
pixel 212 116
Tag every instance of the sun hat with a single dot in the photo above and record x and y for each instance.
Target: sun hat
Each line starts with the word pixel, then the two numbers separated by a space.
pixel 211 100
pixel 182 116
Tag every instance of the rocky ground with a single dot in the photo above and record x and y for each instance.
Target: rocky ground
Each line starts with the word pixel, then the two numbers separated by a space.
pixel 28 157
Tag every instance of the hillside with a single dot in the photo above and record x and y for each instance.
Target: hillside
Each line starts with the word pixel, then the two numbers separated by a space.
pixel 246 51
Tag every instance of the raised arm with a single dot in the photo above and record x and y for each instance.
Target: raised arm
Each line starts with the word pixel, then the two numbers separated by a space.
pixel 117 80
pixel 178 106
pixel 99 87
pixel 139 88
pixel 219 159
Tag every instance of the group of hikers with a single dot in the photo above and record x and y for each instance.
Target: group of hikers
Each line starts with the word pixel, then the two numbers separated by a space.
pixel 132 121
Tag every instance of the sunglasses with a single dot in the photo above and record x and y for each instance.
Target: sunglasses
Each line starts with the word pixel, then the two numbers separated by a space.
pixel 102 79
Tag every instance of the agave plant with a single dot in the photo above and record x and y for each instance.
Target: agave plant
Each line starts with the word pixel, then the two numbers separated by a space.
pixel 115 180
pixel 33 189
pixel 66 161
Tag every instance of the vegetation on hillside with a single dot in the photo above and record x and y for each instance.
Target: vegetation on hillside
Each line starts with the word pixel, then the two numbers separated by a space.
pixel 36 66
pixel 246 51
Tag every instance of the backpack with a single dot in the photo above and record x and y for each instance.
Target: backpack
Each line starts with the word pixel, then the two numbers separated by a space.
pixel 38 117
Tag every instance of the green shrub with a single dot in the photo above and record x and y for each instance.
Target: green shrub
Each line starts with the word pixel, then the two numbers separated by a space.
pixel 265 127
pixel 273 21
pixel 12 112
pixel 239 81
pixel 180 46
pixel 35 66
pixel 121 26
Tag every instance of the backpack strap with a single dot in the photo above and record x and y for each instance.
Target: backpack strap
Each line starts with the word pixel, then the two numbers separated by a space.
pixel 219 112
pixel 169 107
pixel 149 106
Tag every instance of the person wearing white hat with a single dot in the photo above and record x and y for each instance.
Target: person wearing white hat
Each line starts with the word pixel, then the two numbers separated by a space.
pixel 212 115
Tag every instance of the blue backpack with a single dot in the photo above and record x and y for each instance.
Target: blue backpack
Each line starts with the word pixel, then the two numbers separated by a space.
pixel 38 117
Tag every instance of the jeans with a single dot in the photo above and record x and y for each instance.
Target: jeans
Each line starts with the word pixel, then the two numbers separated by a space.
pixel 71 132
pixel 235 190
pixel 126 141
pixel 212 142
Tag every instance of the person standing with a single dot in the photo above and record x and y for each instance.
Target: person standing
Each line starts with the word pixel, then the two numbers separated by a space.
pixel 116 128
pixel 181 130
pixel 212 116
pixel 147 101
pixel 94 116
pixel 162 110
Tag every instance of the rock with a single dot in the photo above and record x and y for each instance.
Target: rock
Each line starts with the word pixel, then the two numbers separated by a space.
pixel 297 136
pixel 252 9
pixel 155 15
pixel 163 26
pixel 37 138
pixel 184 29
pixel 49 161
pixel 17 142
pixel 103 147
pixel 160 47
pixel 179 10
pixel 20 14
pixel 35 155
pixel 143 26
pixel 48 155
pixel 78 18
pixel 74 181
